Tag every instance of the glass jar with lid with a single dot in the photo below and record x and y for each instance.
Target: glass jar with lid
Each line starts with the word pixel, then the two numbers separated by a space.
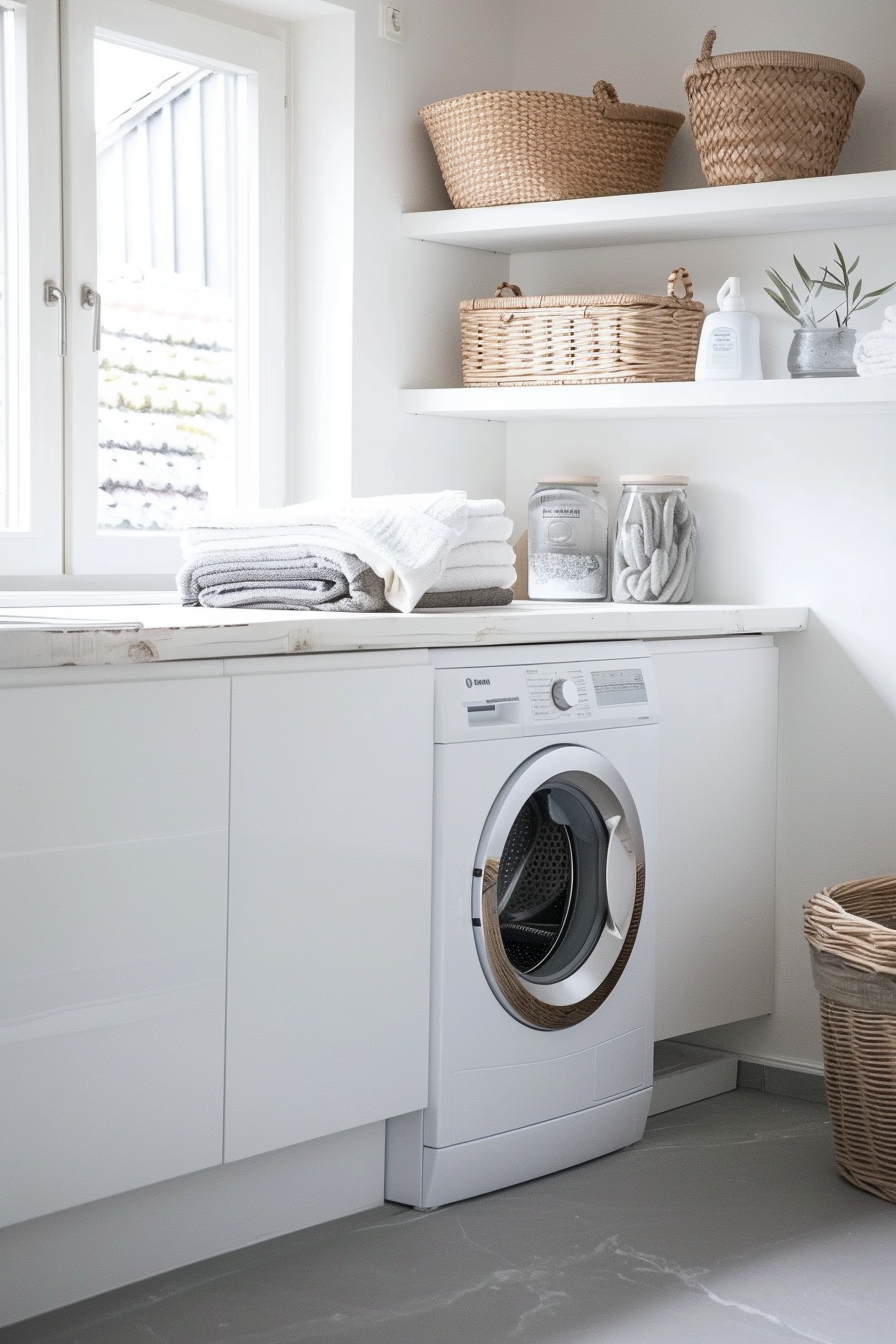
pixel 568 534
pixel 656 541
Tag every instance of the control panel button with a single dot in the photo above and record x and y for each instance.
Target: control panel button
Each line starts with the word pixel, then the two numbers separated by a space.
pixel 565 694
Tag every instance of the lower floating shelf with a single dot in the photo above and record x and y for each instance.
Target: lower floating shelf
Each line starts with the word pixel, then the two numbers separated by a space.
pixel 807 396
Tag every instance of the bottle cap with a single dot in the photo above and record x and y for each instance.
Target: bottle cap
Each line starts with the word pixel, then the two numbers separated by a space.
pixel 654 480
pixel 729 297
pixel 568 480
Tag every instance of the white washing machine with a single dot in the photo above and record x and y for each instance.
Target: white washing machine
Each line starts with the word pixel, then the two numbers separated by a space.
pixel 541 1047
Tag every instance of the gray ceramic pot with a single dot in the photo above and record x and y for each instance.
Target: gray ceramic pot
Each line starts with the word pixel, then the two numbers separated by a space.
pixel 824 353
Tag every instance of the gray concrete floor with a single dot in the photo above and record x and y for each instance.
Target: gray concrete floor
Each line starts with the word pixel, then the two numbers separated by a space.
pixel 728 1224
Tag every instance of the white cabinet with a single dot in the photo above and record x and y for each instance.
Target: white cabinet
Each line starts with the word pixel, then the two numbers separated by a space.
pixel 113 890
pixel 328 983
pixel 715 880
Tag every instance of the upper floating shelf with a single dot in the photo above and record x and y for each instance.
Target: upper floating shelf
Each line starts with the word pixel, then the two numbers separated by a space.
pixel 608 401
pixel 852 201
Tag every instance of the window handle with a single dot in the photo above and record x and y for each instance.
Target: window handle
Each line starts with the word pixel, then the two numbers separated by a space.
pixel 53 294
pixel 90 298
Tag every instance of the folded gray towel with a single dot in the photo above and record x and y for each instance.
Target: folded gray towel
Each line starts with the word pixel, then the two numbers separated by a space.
pixel 282 578
pixel 468 597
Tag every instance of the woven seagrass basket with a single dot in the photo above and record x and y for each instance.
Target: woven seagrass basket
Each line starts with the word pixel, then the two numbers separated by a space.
pixel 508 146
pixel 851 930
pixel 763 116
pixel 585 338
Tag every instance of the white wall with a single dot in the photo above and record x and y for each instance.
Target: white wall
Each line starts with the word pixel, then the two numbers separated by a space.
pixel 791 509
pixel 407 292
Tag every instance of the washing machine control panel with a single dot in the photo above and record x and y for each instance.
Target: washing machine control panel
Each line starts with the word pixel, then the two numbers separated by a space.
pixel 565 694
pixel 555 695
pixel 543 699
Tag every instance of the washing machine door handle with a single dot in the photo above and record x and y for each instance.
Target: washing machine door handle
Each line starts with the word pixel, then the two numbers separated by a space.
pixel 622 878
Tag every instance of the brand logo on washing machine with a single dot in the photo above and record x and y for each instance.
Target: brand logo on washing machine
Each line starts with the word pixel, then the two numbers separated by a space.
pixel 478 681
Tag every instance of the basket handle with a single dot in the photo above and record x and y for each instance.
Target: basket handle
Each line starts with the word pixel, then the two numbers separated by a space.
pixel 706 49
pixel 604 94
pixel 514 289
pixel 679 277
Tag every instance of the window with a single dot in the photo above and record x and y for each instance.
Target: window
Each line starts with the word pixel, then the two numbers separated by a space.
pixel 170 298
pixel 31 428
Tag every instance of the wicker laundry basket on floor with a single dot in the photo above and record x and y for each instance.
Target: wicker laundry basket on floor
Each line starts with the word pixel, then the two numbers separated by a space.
pixel 556 339
pixel 851 930
pixel 764 116
pixel 508 146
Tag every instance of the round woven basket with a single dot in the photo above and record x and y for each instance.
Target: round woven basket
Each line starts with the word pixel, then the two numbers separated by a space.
pixel 762 116
pixel 509 146
pixel 581 338
pixel 851 929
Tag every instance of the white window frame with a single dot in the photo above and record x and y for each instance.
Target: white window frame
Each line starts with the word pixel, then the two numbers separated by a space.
pixel 38 547
pixel 263 60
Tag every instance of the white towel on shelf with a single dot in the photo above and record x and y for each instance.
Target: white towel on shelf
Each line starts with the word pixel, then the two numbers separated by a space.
pixel 875 352
pixel 479 553
pixel 405 539
pixel 485 508
pixel 474 576
pixel 496 527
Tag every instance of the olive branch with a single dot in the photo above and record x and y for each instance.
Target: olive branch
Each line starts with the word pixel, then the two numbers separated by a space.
pixel 836 277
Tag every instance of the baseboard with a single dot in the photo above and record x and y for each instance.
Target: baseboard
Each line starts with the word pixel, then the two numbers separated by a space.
pixel 803 1084
pixel 66 1257
pixel 684 1073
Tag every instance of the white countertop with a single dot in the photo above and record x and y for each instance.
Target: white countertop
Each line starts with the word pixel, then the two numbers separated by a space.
pixel 149 628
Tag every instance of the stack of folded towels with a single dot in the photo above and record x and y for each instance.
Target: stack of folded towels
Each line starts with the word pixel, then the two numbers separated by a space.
pixel 479 568
pixel 394 552
pixel 875 352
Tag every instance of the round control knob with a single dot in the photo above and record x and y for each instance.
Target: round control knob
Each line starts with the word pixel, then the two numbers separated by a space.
pixel 565 694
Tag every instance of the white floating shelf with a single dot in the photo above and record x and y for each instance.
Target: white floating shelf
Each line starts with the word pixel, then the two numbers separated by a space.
pixel 828 396
pixel 851 201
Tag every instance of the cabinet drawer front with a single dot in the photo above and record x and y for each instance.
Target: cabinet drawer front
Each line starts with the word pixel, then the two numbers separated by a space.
pixel 328 978
pixel 119 761
pixel 111 1018
pixel 716 859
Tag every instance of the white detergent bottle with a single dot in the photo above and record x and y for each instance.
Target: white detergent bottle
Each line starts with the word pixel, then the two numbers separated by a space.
pixel 729 340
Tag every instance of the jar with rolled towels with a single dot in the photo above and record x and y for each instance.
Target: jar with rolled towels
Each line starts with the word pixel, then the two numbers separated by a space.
pixel 656 541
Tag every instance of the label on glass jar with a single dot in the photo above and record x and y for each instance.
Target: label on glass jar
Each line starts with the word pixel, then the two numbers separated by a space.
pixel 561 524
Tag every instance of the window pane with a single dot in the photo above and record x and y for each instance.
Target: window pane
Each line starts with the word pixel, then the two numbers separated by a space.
pixel 14 327
pixel 172 196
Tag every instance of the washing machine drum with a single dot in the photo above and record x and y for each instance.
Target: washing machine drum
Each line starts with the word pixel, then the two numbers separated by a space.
pixel 558 887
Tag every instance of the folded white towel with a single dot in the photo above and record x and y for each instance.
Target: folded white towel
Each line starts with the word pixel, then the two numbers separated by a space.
pixel 474 576
pixel 496 527
pixel 405 539
pixel 875 352
pixel 479 553
pixel 484 508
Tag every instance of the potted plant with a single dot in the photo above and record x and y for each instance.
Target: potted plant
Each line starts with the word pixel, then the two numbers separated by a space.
pixel 816 351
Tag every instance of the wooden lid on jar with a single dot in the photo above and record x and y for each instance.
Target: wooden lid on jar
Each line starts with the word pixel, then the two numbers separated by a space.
pixel 568 480
pixel 654 480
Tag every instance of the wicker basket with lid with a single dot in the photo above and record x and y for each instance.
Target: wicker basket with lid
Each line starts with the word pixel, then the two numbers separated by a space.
pixel 586 338
pixel 506 147
pixel 766 116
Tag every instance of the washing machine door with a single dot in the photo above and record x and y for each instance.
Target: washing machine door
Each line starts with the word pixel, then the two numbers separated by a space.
pixel 558 887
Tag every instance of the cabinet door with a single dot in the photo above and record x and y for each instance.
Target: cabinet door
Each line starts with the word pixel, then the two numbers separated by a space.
pixel 716 837
pixel 113 891
pixel 328 964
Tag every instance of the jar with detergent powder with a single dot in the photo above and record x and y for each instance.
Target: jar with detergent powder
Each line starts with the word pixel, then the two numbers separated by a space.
pixel 568 532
